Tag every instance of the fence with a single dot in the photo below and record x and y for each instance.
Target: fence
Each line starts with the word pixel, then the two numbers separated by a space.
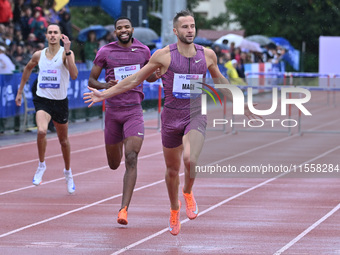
pixel 11 115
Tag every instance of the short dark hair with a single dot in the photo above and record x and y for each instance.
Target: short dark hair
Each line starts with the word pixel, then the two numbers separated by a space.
pixel 120 18
pixel 55 24
pixel 183 13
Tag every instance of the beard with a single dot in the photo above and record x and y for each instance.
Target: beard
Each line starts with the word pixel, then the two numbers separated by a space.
pixel 126 40
pixel 185 40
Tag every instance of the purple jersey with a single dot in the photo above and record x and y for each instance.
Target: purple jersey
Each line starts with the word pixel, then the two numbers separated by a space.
pixel 120 62
pixel 182 65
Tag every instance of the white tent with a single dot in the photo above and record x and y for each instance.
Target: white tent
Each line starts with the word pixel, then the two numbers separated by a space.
pixel 239 41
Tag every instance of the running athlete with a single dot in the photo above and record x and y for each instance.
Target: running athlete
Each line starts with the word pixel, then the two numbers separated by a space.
pixel 56 65
pixel 124 124
pixel 183 127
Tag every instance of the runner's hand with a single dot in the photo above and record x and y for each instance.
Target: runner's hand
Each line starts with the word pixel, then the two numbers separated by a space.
pixel 92 97
pixel 67 43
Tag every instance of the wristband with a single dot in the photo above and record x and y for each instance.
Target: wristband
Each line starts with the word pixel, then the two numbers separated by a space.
pixel 68 53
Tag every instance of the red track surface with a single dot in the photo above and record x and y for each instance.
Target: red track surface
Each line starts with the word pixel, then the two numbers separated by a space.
pixel 237 215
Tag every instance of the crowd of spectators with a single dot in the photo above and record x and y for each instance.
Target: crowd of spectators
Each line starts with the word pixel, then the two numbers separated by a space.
pixel 234 58
pixel 23 25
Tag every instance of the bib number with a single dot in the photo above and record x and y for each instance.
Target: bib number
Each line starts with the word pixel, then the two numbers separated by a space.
pixel 50 79
pixel 125 71
pixel 186 86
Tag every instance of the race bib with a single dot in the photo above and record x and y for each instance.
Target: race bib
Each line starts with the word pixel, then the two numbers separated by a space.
pixel 50 79
pixel 186 86
pixel 125 71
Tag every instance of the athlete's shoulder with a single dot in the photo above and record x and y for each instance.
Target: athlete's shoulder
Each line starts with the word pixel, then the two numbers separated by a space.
pixel 138 44
pixel 36 55
pixel 164 51
pixel 209 53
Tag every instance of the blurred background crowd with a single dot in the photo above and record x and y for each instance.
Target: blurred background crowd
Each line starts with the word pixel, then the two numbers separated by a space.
pixel 23 24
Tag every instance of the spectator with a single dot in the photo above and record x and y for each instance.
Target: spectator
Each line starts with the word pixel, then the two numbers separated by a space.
pixel 65 23
pixel 25 27
pixel 240 65
pixel 31 38
pixel 17 39
pixel 33 4
pixel 38 24
pixel 90 49
pixel 232 73
pixel 21 58
pixel 6 14
pixel 237 54
pixel 51 15
pixel 6 65
pixel 9 33
pixel 18 4
pixel 232 50
pixel 2 33
pixel 109 37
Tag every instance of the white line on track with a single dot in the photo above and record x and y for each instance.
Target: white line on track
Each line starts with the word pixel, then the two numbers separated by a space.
pixel 59 155
pixel 73 211
pixel 149 185
pixel 49 139
pixel 232 198
pixel 299 237
pixel 96 203
pixel 55 138
pixel 89 171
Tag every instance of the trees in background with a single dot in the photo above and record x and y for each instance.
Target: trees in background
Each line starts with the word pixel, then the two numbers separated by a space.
pixel 296 20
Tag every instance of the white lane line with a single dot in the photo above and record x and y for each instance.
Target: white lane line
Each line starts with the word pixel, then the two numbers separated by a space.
pixel 73 211
pixel 224 202
pixel 49 139
pixel 92 170
pixel 299 237
pixel 93 204
pixel 78 174
pixel 56 138
pixel 59 155
pixel 66 213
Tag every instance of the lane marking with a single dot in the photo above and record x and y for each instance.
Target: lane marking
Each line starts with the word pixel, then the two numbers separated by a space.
pixel 56 138
pixel 87 206
pixel 146 186
pixel 299 237
pixel 224 202
pixel 89 171
pixel 73 211
pixel 59 155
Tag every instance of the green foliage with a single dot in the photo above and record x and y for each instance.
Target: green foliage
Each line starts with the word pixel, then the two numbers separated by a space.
pixel 295 20
pixel 155 24
pixel 191 4
pixel 83 17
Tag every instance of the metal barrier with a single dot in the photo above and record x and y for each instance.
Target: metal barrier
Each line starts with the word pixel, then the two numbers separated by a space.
pixel 291 75
pixel 26 111
pixel 159 109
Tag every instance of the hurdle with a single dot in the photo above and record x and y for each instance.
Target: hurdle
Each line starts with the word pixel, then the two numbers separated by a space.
pixel 159 109
pixel 262 88
pixel 301 131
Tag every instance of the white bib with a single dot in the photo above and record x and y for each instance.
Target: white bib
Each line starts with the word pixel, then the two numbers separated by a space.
pixel 125 71
pixel 50 78
pixel 186 86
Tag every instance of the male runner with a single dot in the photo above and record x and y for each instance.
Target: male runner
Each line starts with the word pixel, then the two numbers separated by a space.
pixel 56 65
pixel 124 124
